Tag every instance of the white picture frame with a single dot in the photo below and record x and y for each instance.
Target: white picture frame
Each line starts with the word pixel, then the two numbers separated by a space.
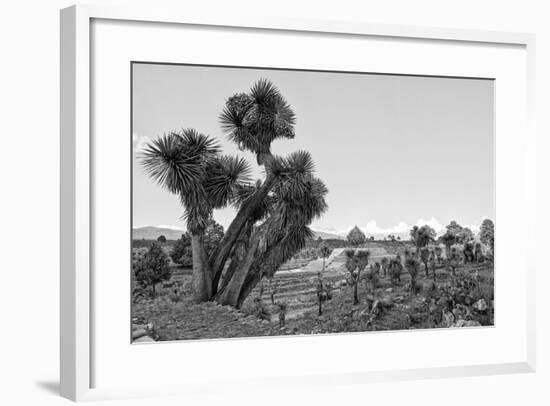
pixel 77 324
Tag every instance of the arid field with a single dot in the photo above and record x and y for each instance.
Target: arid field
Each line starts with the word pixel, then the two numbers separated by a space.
pixel 462 300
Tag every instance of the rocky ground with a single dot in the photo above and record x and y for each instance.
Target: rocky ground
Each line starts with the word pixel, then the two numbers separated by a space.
pixel 186 320
pixel 394 307
pixel 464 300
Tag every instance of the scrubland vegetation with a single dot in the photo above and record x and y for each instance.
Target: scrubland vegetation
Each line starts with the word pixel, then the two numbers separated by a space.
pixel 351 292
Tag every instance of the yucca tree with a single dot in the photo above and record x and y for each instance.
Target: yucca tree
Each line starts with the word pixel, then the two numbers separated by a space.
pixel 384 263
pixel 422 236
pixel 253 121
pixel 412 265
pixel 356 261
pixel 189 164
pixel 273 214
pixel 296 199
pixel 325 252
pixel 425 257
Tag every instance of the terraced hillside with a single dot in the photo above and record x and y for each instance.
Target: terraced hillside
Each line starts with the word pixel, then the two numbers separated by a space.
pixel 297 286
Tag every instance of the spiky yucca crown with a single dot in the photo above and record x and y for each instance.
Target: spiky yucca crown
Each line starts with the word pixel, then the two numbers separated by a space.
pixel 254 120
pixel 189 164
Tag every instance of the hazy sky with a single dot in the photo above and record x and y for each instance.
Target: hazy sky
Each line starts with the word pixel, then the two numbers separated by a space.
pixel 394 151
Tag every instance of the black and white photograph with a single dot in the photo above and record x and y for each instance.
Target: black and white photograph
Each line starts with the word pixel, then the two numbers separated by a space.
pixel 273 202
pixel 295 203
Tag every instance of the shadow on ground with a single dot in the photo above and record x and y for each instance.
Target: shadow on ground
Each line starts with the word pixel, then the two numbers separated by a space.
pixel 52 387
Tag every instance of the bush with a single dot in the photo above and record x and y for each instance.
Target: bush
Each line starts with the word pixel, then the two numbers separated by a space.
pixel 257 309
pixel 356 237
pixel 412 265
pixel 151 268
pixel 181 252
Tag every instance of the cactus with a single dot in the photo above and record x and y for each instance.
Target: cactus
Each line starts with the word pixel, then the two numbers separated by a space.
pixel 395 269
pixel 412 265
pixel 384 263
pixel 356 261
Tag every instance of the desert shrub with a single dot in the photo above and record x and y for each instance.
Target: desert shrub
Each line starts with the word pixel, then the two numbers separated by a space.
pixel 356 237
pixel 356 261
pixel 256 308
pixel 371 279
pixel 425 257
pixel 181 252
pixel 438 254
pixel 384 264
pixel 324 252
pixel 307 253
pixel 483 288
pixel 139 293
pixel 468 252
pixel 176 294
pixel 478 252
pixel 461 296
pixel 466 235
pixel 433 264
pixel 487 234
pixel 422 236
pixel 152 268
pixel 453 261
pixel 282 314
pixel 324 292
pixel 395 269
pixel 461 290
pixel 412 265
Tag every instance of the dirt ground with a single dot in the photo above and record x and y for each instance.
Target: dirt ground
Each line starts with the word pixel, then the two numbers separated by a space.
pixel 464 300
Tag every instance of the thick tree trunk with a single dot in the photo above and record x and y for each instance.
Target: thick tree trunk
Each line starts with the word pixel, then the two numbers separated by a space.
pixel 222 252
pixel 231 294
pixel 264 265
pixel 254 276
pixel 202 276
pixel 227 275
pixel 236 259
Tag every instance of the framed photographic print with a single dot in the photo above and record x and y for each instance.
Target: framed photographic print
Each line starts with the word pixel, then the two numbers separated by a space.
pixel 345 189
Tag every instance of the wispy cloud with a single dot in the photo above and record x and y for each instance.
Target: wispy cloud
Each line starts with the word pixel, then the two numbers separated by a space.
pixel 139 142
pixel 170 226
pixel 433 223
pixel 402 228
pixel 373 228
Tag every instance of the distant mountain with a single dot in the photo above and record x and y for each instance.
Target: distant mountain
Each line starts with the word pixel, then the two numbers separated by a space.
pixel 152 233
pixel 327 236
